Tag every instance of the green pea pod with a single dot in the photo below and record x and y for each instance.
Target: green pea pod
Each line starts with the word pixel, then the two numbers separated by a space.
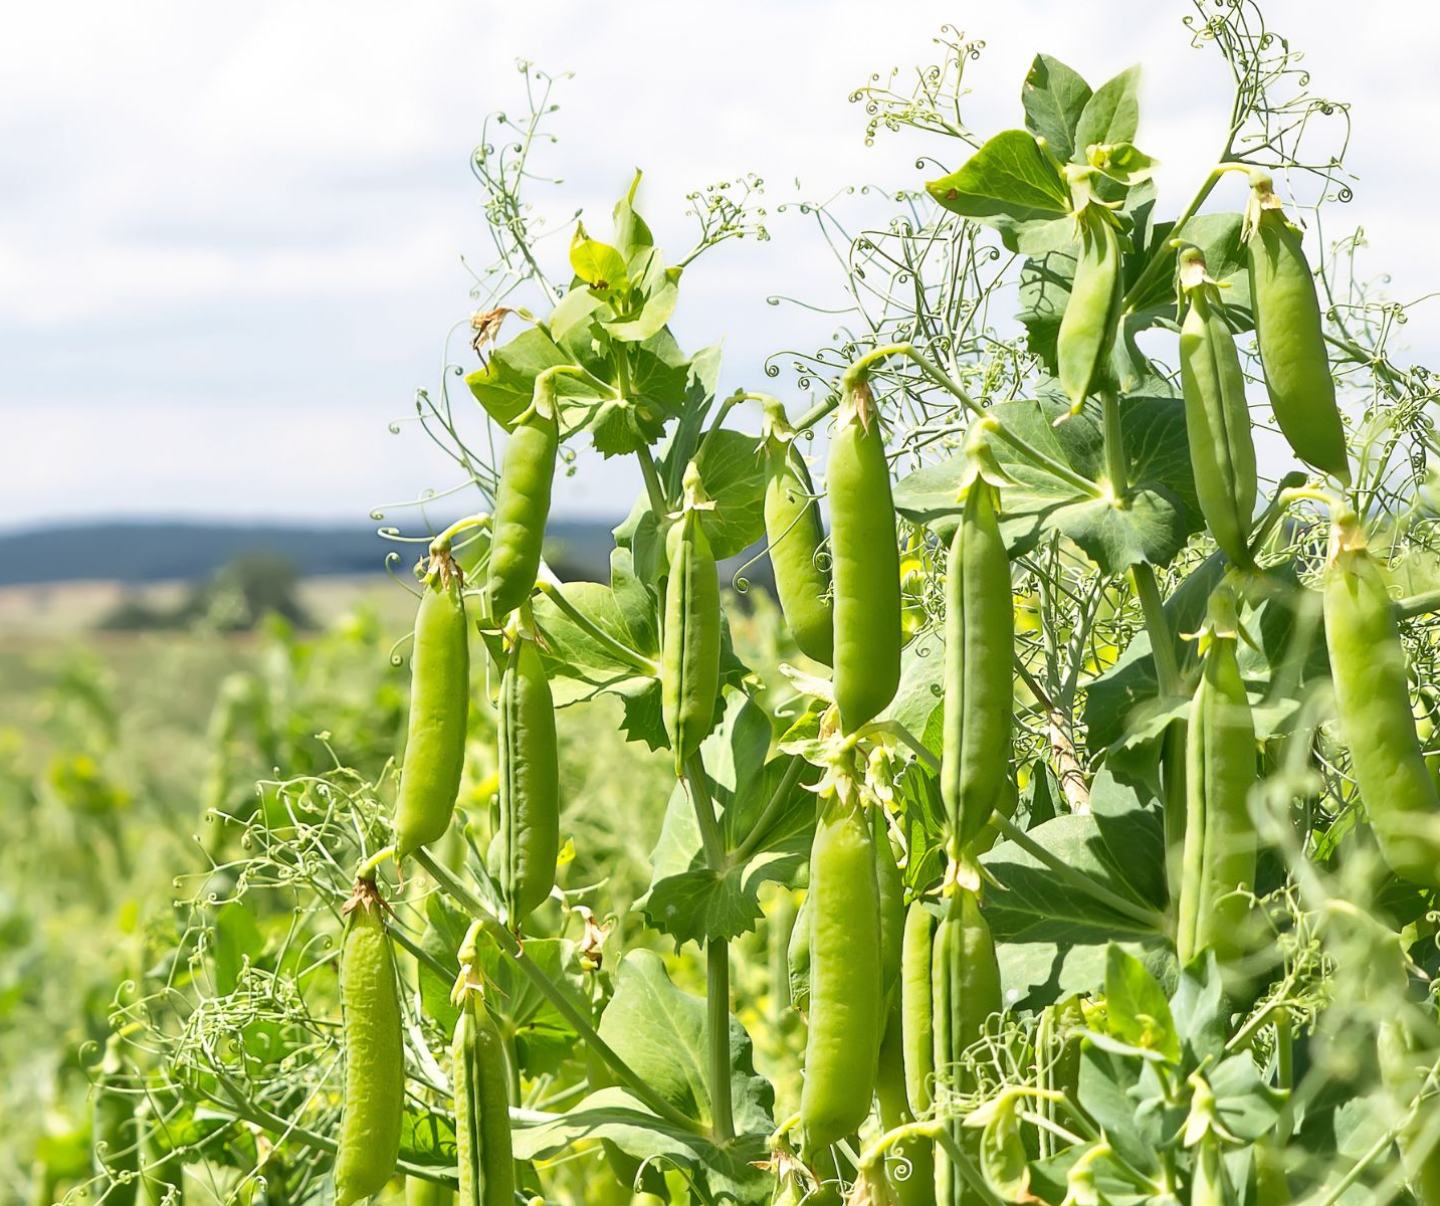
pixel 866 563
pixel 439 707
pixel 1289 334
pixel 528 839
pixel 979 644
pixel 1087 328
pixel 480 1081
pixel 522 502
pixel 374 1057
pixel 916 1004
pixel 910 1166
pixel 845 1001
pixel 690 657
pixel 1220 845
pixel 795 540
pixel 1217 420
pixel 797 958
pixel 965 991
pixel 1372 700
pixel 114 1131
pixel 891 889
pixel 427 1193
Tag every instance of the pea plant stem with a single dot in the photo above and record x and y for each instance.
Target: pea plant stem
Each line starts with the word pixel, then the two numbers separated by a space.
pixel 717 957
pixel 511 948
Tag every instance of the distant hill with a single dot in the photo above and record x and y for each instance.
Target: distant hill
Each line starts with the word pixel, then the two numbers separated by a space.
pixel 140 551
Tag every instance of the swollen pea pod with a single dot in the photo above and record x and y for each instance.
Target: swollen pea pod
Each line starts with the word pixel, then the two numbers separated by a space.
pixel 1372 700
pixel 866 561
pixel 480 1080
pixel 114 1131
pixel 1218 865
pixel 1087 328
pixel 690 653
pixel 845 972
pixel 965 991
pixel 522 502
pixel 374 1056
pixel 979 692
pixel 916 1005
pixel 795 540
pixel 439 707
pixel 1289 334
pixel 1217 420
pixel 890 889
pixel 528 840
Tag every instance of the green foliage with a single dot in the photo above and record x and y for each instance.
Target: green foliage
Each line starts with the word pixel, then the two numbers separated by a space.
pixel 1074 1056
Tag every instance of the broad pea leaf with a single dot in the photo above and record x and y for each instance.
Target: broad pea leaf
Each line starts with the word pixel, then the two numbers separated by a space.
pixel 733 474
pixel 1054 97
pixel 1111 115
pixel 635 601
pixel 1219 237
pixel 1136 1010
pixel 598 264
pixel 1114 1092
pixel 505 385
pixel 613 1115
pixel 1050 938
pixel 1160 514
pixel 1247 1106
pixel 1007 182
pixel 921 692
pixel 659 1031
pixel 543 1037
pixel 688 900
pixel 1198 1004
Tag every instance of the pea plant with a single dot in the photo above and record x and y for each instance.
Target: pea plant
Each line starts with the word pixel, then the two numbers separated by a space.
pixel 1102 766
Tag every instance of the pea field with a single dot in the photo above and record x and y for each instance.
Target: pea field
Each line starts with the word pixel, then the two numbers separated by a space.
pixel 1046 810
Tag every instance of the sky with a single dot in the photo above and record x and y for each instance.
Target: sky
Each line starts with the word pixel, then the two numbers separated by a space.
pixel 232 238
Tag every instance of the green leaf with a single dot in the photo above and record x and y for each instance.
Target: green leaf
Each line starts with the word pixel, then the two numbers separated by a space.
pixel 615 1116
pixel 1008 180
pixel 445 926
pixel 505 386
pixel 1136 1011
pixel 1113 1094
pixel 1054 97
pixel 660 297
pixel 1246 1105
pixel 1050 938
pixel 1151 528
pixel 1002 1151
pixel 635 601
pixel 1122 162
pixel 599 265
pixel 632 235
pixel 733 474
pixel 544 1039
pixel 921 693
pixel 688 900
pixel 1112 115
pixel 660 1032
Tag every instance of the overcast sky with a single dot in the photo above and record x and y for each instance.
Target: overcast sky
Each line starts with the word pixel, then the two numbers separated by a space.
pixel 231 236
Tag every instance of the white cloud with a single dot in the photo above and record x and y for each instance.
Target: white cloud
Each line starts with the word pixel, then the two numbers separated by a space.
pixel 230 237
